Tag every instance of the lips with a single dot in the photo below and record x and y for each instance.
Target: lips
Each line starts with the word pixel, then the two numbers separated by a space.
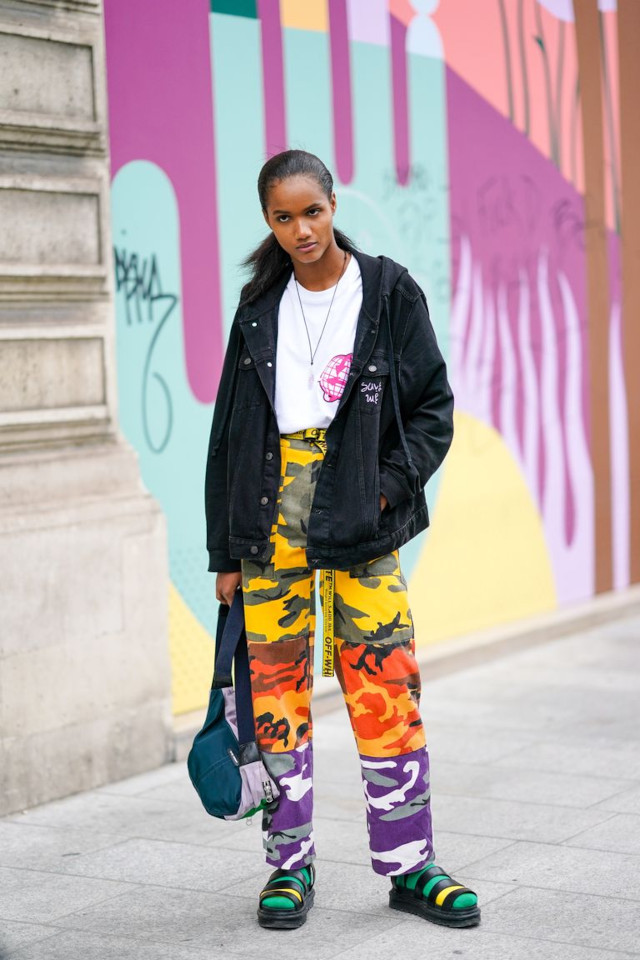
pixel 306 246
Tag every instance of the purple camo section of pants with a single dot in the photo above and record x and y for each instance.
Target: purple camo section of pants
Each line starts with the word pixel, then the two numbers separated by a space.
pixel 287 828
pixel 398 799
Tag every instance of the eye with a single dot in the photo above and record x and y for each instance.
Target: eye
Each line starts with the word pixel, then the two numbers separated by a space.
pixel 282 217
pixel 315 210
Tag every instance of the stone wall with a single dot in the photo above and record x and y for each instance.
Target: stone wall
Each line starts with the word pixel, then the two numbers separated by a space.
pixel 84 663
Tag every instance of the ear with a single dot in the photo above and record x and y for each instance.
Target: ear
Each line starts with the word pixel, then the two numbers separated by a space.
pixel 266 217
pixel 333 201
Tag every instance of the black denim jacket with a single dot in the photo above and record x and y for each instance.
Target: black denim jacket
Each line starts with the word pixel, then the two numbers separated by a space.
pixel 366 454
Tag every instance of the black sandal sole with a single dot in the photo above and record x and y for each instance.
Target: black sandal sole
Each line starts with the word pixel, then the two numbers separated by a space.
pixel 286 919
pixel 407 902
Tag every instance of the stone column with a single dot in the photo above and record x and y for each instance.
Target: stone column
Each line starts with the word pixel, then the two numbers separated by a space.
pixel 84 660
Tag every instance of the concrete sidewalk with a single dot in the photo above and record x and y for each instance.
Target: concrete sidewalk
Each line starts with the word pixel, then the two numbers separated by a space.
pixel 536 802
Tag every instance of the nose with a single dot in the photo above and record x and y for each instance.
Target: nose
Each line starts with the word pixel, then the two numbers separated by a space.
pixel 302 230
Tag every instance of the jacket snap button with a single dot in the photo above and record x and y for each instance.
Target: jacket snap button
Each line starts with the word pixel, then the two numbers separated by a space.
pixel 264 500
pixel 247 359
pixel 269 364
pixel 254 324
pixel 254 549
pixel 268 456
pixel 373 368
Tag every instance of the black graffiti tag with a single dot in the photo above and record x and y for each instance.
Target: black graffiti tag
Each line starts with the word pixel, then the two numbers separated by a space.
pixel 138 282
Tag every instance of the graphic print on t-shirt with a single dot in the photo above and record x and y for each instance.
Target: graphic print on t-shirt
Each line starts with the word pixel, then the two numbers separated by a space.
pixel 333 378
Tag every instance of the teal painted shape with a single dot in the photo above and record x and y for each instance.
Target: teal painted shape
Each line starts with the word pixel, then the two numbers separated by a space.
pixel 158 414
pixel 236 8
pixel 307 71
pixel 237 92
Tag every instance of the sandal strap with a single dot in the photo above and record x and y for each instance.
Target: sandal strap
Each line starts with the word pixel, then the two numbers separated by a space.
pixel 293 885
pixel 449 898
pixel 298 875
pixel 294 896
pixel 443 892
pixel 427 876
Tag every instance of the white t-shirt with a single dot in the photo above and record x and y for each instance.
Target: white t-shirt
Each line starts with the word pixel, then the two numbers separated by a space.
pixel 308 396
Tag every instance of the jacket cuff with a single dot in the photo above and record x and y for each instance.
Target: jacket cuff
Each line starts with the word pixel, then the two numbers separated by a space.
pixel 394 489
pixel 223 563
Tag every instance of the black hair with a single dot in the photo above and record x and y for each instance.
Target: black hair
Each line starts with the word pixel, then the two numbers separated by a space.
pixel 268 261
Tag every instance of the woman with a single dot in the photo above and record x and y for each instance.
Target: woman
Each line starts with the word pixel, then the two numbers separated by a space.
pixel 333 411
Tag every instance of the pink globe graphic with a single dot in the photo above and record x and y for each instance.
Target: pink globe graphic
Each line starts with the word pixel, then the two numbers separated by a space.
pixel 333 378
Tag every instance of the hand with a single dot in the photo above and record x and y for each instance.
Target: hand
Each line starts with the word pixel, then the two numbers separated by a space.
pixel 226 586
pixel 383 502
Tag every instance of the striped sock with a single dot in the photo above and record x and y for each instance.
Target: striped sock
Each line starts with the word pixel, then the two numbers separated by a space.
pixel 409 880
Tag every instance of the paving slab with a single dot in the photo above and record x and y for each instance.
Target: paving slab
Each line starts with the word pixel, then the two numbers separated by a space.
pixel 600 756
pixel 166 864
pixel 47 848
pixel 555 867
pixel 628 801
pixel 528 786
pixel 78 945
pixel 592 921
pixel 620 834
pixel 415 940
pixel 15 934
pixel 472 742
pixel 29 894
pixel 226 924
pixel 145 782
pixel 511 819
pixel 125 816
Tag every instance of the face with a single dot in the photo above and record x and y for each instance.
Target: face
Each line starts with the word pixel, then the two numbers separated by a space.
pixel 301 217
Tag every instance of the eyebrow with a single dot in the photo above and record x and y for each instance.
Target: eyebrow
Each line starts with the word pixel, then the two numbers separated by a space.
pixel 317 204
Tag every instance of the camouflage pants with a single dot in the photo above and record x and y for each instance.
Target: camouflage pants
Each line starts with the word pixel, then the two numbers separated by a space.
pixel 375 664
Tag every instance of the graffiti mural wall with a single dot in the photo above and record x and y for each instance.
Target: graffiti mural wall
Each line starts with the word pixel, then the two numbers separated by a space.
pixel 456 133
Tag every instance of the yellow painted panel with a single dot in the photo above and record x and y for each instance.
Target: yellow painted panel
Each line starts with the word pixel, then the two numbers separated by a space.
pixel 485 561
pixel 192 652
pixel 304 14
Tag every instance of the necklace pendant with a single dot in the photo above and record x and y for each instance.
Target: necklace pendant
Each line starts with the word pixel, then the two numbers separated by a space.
pixel 311 381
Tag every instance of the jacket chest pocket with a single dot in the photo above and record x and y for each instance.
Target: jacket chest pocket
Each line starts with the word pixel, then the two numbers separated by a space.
pixel 248 385
pixel 372 384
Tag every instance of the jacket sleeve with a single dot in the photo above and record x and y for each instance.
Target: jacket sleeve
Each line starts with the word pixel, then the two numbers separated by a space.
pixel 215 485
pixel 426 406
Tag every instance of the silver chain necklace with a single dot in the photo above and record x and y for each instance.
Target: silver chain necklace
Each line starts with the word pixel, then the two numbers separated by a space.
pixel 312 354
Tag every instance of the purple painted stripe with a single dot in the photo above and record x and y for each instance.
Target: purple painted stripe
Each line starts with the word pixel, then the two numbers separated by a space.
pixel 341 88
pixel 161 110
pixel 400 99
pixel 275 134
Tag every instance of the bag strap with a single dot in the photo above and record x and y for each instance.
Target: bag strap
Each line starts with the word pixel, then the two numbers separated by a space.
pixel 230 630
pixel 244 702
pixel 394 391
pixel 231 647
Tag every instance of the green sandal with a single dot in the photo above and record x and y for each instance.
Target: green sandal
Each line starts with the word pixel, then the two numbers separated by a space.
pixel 434 896
pixel 286 898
